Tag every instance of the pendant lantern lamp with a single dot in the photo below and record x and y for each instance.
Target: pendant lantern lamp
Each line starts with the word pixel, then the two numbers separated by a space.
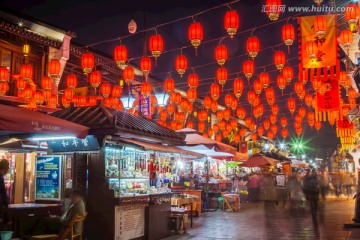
pixel 288 34
pixel 248 69
pixel 279 60
pixel 181 64
pixel 253 46
pixel 87 62
pixel 215 91
pixel 231 22
pixel 264 79
pixel 195 34
pixel 120 55
pixel 221 54
pixel 222 75
pixel 128 75
pixel 156 45
pixel 145 65
pixel 273 9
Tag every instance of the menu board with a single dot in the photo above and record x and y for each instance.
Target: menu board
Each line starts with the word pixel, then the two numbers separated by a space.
pixel 129 222
pixel 48 178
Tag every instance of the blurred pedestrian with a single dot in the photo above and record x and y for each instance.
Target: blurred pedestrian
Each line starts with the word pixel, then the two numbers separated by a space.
pixel 336 182
pixel 324 183
pixel 294 189
pixel 280 181
pixel 254 187
pixel 311 190
pixel 268 189
pixel 347 182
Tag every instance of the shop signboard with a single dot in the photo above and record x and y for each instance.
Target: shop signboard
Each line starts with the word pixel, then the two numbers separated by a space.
pixel 48 178
pixel 129 222
pixel 74 144
pixel 144 109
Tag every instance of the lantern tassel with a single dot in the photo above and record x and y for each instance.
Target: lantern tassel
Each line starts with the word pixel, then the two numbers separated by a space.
pixel 196 52
pixel 288 47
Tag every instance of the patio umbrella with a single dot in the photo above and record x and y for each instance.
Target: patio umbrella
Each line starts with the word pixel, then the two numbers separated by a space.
pixel 259 161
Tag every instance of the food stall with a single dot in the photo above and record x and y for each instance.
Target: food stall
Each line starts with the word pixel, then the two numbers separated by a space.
pixel 128 178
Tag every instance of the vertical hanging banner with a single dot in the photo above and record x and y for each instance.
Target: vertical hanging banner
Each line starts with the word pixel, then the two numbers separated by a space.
pixel 326 53
pixel 144 106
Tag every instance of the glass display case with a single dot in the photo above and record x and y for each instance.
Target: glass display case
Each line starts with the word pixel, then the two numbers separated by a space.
pixel 126 171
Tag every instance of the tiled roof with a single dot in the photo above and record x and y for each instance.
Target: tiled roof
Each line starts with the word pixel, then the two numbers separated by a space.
pixel 99 118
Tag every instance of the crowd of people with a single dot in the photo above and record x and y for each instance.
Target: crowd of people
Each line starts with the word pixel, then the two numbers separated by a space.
pixel 299 189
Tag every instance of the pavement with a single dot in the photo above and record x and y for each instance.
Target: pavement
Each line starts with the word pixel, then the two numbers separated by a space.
pixel 258 222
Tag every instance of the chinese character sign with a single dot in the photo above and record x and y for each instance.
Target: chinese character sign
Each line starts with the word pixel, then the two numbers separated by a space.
pixel 48 178
pixel 144 108
pixel 74 144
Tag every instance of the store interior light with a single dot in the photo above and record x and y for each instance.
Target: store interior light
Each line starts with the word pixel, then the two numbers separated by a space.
pixel 128 101
pixel 51 138
pixel 267 146
pixel 162 98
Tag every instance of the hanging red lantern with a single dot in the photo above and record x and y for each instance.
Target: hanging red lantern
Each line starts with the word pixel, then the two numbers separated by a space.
pixel 233 124
pixel 46 94
pixel 28 94
pixel 253 46
pixel 308 100
pixel 238 87
pixel 222 125
pixel 207 102
pixel 274 129
pixel 352 93
pixel 190 124
pixel 65 102
pixel 227 114
pixel 241 113
pixel 298 118
pixel 215 91
pixel 38 98
pixel 248 69
pixel 242 133
pixel 284 133
pixel 54 68
pixel 218 137
pixel 231 22
pixel 273 9
pixel 71 81
pixel 225 133
pixel 145 65
pixel 146 89
pixel 291 103
pixel 346 38
pixel 87 62
pixel 195 34
pixel 254 137
pixel 316 84
pixel 191 95
pixel 92 101
pixel 95 79
pixel 320 26
pixel 216 128
pixel 275 109
pixel 120 55
pixel 260 110
pixel 317 125
pixel 169 85
pixel 251 96
pixel 298 130
pixel 302 112
pixel 173 125
pixel 178 98
pixel 270 94
pixel 279 60
pixel 270 135
pixel 52 103
pixel 116 91
pixel 311 49
pixel 264 79
pixel 311 116
pixel 20 84
pixel 184 105
pixel 193 80
pixel 46 83
pixel 260 131
pixel 4 74
pixel 221 54
pixel 288 34
pixel 283 122
pixel 258 87
pixel 288 73
pixel 298 87
pixel 272 118
pixel 248 121
pixel 221 75
pixel 234 104
pixel 170 108
pixel 266 124
pixel 128 75
pixel 281 82
pixel 26 72
pixel 105 89
pixel 343 78
pixel 228 100
pixel 201 126
pixel 156 45
pixel 210 132
pixel 69 93
pixel 214 106
pixel 237 138
pixel 181 64
pixel 352 16
pixel 4 87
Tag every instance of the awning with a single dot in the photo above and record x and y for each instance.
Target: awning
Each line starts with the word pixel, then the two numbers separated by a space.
pixel 161 148
pixel 209 152
pixel 259 161
pixel 15 120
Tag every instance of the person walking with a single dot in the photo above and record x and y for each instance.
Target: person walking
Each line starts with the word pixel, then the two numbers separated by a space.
pixel 324 183
pixel 311 190
pixel 254 187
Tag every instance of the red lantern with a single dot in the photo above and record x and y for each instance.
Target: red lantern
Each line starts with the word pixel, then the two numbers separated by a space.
pixel 156 45
pixel 193 81
pixel 227 114
pixel 288 73
pixel 279 59
pixel 69 93
pixel 20 84
pixel 120 55
pixel 252 46
pixel 275 109
pixel 237 138
pixel 302 112
pixel 38 98
pixel 116 91
pixel 222 125
pixel 184 105
pixel 242 133
pixel 178 98
pixel 284 133
pixel 28 94
pixel 195 34
pixel 169 85
pixel 316 84
pixel 308 100
pixel 215 91
pixel 92 101
pixel 225 133
pixel 128 75
pixel 181 64
pixel 248 69
pixel 207 102
pixel 320 26
pixel 221 75
pixel 201 126
pixel 264 79
pixel 241 113
pixel 291 105
pixel 218 137
pixel 352 93
pixel 283 122
pixel 65 102
pixel 273 9
pixel 346 38
pixel 145 65
pixel 270 135
pixel 146 89
pixel 170 108
pixel 231 22
pixel 281 82
pixel 87 62
pixel 4 87
pixel 352 16
pixel 234 124
pixel 54 68
pixel 46 94
pixel 274 129
pixel 260 131
pixel 4 74
pixel 214 106
pixel 248 121
pixel 298 118
pixel 71 81
pixel 273 118
pixel 216 128
pixel 210 133
pixel 270 94
pixel 298 87
pixel 253 137
pixel 311 49
pixel 105 89
pixel 221 54
pixel 95 79
pixel 190 124
pixel 52 101
pixel 234 104
pixel 191 95
pixel 258 87
pixel 46 83
pixel 26 72
pixel 288 34
pixel 228 100
pixel 251 96
pixel 238 87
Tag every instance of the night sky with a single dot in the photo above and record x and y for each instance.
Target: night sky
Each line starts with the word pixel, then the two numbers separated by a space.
pixel 95 21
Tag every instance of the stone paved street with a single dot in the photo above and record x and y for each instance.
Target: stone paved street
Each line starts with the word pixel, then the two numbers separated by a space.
pixel 253 222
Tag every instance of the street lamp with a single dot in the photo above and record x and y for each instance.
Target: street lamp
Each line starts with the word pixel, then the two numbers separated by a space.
pixel 162 98
pixel 128 101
